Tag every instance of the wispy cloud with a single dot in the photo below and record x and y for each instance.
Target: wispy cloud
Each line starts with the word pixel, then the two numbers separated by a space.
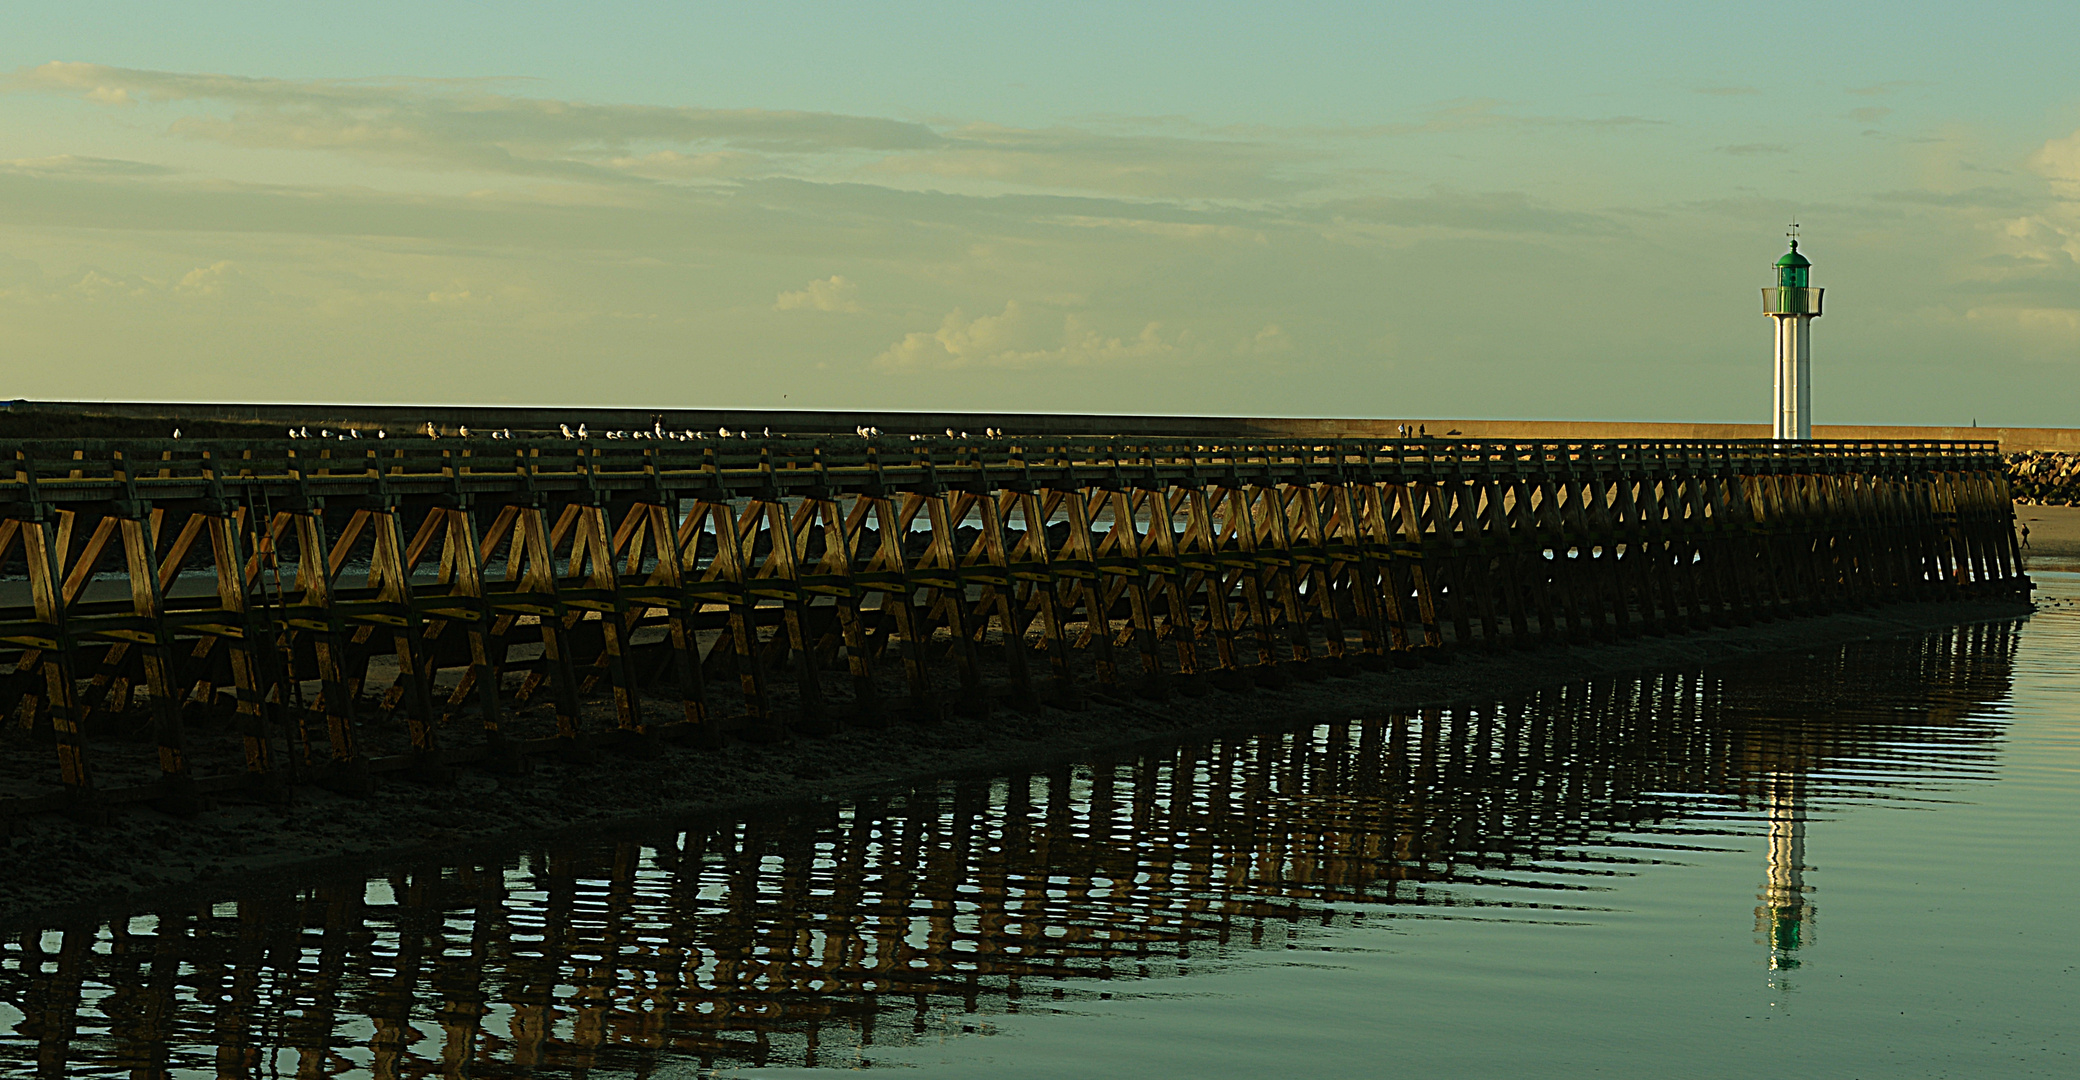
pixel 1724 91
pixel 1497 212
pixel 463 124
pixel 1746 149
pixel 75 166
pixel 1875 89
pixel 472 126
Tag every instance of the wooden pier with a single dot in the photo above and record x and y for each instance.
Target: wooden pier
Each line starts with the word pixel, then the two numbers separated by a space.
pixel 182 617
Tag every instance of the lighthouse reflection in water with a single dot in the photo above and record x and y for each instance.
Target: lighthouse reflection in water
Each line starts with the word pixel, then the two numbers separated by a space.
pixel 1785 916
pixel 926 917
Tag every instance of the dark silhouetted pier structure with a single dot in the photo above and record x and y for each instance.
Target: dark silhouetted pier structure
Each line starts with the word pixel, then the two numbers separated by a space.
pixel 195 616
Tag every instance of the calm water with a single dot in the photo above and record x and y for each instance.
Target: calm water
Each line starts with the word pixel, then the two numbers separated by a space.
pixel 1857 863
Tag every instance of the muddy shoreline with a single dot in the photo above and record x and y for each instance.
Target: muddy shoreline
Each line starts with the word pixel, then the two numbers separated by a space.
pixel 53 869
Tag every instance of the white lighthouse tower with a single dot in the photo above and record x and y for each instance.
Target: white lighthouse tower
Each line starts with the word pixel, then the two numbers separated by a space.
pixel 1794 304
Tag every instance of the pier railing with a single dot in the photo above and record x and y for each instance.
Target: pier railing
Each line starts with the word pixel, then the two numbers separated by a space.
pixel 185 616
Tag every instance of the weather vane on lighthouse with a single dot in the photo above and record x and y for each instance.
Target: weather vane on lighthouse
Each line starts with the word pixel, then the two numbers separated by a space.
pixel 1794 304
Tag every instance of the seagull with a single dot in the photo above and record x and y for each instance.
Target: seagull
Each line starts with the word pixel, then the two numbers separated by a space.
pixel 581 431
pixel 303 433
pixel 463 431
pixel 381 434
pixel 964 434
pixel 769 433
pixel 566 429
pixel 657 428
pixel 324 433
pixel 354 433
pixel 176 433
pixel 949 433
pixel 724 432
pixel 292 432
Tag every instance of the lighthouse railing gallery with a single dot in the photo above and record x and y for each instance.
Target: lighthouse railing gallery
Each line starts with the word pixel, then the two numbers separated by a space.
pixel 180 617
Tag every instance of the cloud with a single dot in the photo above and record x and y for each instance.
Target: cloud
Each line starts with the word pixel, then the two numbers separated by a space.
pixel 1724 91
pixel 218 281
pixel 1869 114
pixel 70 165
pixel 833 293
pixel 1884 87
pixel 472 126
pixel 2058 161
pixel 1019 339
pixel 479 126
pixel 1502 212
pixel 222 278
pixel 1269 341
pixel 1135 165
pixel 1745 149
pixel 2054 327
pixel 461 123
pixel 1979 198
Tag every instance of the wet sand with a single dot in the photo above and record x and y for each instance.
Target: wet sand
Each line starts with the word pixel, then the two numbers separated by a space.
pixel 53 867
pixel 2054 533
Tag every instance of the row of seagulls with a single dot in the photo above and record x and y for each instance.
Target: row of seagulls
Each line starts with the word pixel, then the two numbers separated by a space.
pixel 657 431
pixel 328 433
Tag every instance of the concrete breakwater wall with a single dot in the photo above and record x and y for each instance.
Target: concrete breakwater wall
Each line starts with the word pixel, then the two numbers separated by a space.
pixel 214 616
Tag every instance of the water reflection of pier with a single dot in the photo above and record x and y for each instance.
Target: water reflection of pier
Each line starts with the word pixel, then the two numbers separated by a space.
pixel 805 937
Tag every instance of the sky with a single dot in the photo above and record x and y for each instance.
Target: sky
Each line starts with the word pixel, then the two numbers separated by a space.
pixel 1371 210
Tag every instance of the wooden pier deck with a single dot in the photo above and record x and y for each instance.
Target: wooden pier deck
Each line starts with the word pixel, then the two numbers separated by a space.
pixel 199 616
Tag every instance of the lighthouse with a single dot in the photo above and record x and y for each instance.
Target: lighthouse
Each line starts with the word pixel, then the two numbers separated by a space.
pixel 1794 304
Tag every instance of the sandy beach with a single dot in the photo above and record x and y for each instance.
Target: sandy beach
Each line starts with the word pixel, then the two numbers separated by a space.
pixel 2054 536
